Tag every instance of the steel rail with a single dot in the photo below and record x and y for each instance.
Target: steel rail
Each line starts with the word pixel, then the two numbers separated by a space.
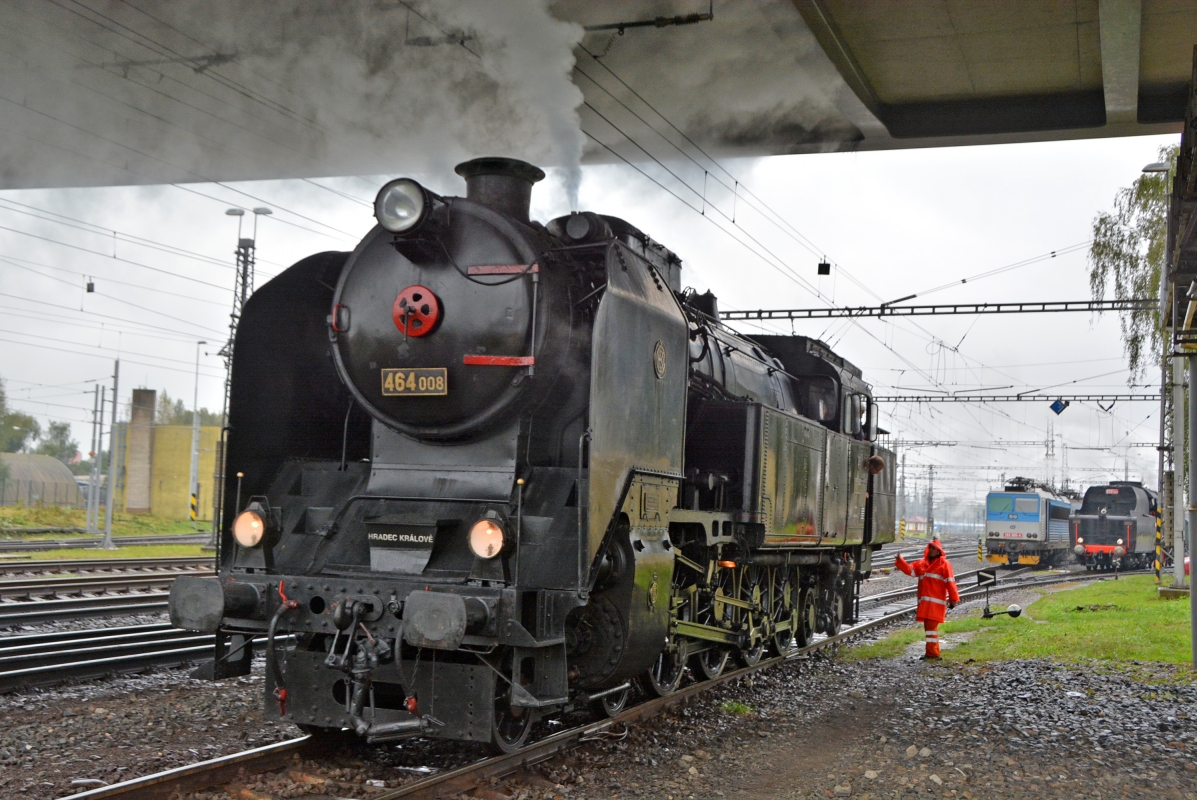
pixel 105 565
pixel 59 587
pixel 98 667
pixel 51 657
pixel 58 658
pixel 34 644
pixel 24 612
pixel 204 774
pixel 93 542
pixel 79 634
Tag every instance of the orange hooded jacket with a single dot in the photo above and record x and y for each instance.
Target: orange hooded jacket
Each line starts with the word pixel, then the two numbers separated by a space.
pixel 937 583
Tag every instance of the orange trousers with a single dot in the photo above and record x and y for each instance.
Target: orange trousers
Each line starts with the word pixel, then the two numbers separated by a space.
pixel 932 635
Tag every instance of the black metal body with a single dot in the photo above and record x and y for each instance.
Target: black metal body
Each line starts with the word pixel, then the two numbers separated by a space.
pixel 637 455
pixel 1120 515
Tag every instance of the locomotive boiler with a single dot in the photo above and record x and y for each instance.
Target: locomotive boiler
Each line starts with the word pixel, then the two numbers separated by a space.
pixel 482 470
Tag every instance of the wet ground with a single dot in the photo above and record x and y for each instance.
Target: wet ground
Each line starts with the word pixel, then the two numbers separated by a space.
pixel 822 727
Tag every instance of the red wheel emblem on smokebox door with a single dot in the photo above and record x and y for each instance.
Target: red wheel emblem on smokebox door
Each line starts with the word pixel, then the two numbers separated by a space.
pixel 416 311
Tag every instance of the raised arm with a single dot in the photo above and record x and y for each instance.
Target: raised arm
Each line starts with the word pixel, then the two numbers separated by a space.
pixel 900 563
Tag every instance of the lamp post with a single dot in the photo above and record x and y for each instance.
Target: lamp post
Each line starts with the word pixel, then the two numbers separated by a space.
pixel 244 287
pixel 1178 419
pixel 193 484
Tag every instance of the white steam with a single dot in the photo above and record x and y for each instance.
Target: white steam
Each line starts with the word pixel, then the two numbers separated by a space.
pixel 214 90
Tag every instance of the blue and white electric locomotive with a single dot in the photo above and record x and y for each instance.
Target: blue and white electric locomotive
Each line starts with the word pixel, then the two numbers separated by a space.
pixel 1026 524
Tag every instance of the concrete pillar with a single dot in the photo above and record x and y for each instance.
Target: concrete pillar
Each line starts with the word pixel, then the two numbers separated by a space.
pixel 139 456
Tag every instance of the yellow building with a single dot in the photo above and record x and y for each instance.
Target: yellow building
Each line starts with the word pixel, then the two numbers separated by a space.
pixel 171 469
pixel 155 463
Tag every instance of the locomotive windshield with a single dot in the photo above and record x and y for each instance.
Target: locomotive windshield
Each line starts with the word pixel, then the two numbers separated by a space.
pixel 1005 506
pixel 1110 500
pixel 820 399
pixel 1026 505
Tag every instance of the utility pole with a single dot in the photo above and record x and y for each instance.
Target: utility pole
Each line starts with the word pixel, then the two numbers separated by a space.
pixel 1178 473
pixel 108 544
pixel 1192 509
pixel 246 254
pixel 92 488
pixel 193 484
pixel 1063 463
pixel 931 501
pixel 902 490
pixel 1051 455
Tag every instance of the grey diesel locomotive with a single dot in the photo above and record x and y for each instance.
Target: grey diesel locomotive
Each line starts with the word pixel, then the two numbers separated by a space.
pixel 483 470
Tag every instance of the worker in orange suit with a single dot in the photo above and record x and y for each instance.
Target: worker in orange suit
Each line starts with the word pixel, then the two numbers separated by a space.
pixel 937 591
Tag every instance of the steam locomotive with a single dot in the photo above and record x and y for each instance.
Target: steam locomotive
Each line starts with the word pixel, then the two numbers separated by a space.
pixel 483 470
pixel 1115 523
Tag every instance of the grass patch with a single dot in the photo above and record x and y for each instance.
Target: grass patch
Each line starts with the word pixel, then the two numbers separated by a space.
pixel 891 646
pixel 22 516
pixel 735 708
pixel 131 551
pixel 1119 621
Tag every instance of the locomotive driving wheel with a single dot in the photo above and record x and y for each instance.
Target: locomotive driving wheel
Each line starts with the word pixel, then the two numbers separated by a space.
pixel 753 590
pixel 665 675
pixel 709 609
pixel 613 704
pixel 783 608
pixel 511 724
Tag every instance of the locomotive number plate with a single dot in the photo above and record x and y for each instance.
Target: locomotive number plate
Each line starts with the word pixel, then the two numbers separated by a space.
pixel 418 382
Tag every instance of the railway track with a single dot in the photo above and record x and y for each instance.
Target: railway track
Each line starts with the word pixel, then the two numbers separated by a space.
pixel 93 542
pixel 45 659
pixel 218 771
pixel 90 588
pixel 104 565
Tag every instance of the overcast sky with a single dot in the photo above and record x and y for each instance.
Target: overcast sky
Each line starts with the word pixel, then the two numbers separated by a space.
pixel 893 224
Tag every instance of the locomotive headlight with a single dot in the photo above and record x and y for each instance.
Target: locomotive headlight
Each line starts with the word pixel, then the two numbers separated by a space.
pixel 1119 541
pixel 1080 540
pixel 486 538
pixel 248 528
pixel 400 205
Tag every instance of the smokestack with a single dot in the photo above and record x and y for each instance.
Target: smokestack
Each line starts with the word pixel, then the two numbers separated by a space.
pixel 504 184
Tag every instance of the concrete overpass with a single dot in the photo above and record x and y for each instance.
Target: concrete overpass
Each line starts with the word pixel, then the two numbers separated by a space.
pixel 102 92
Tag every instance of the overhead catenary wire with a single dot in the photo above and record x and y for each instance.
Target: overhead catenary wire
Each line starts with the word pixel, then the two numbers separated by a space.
pixel 175 331
pixel 129 303
pixel 13 261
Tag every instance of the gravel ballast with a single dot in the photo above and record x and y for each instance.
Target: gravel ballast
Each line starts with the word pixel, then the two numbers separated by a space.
pixel 819 727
